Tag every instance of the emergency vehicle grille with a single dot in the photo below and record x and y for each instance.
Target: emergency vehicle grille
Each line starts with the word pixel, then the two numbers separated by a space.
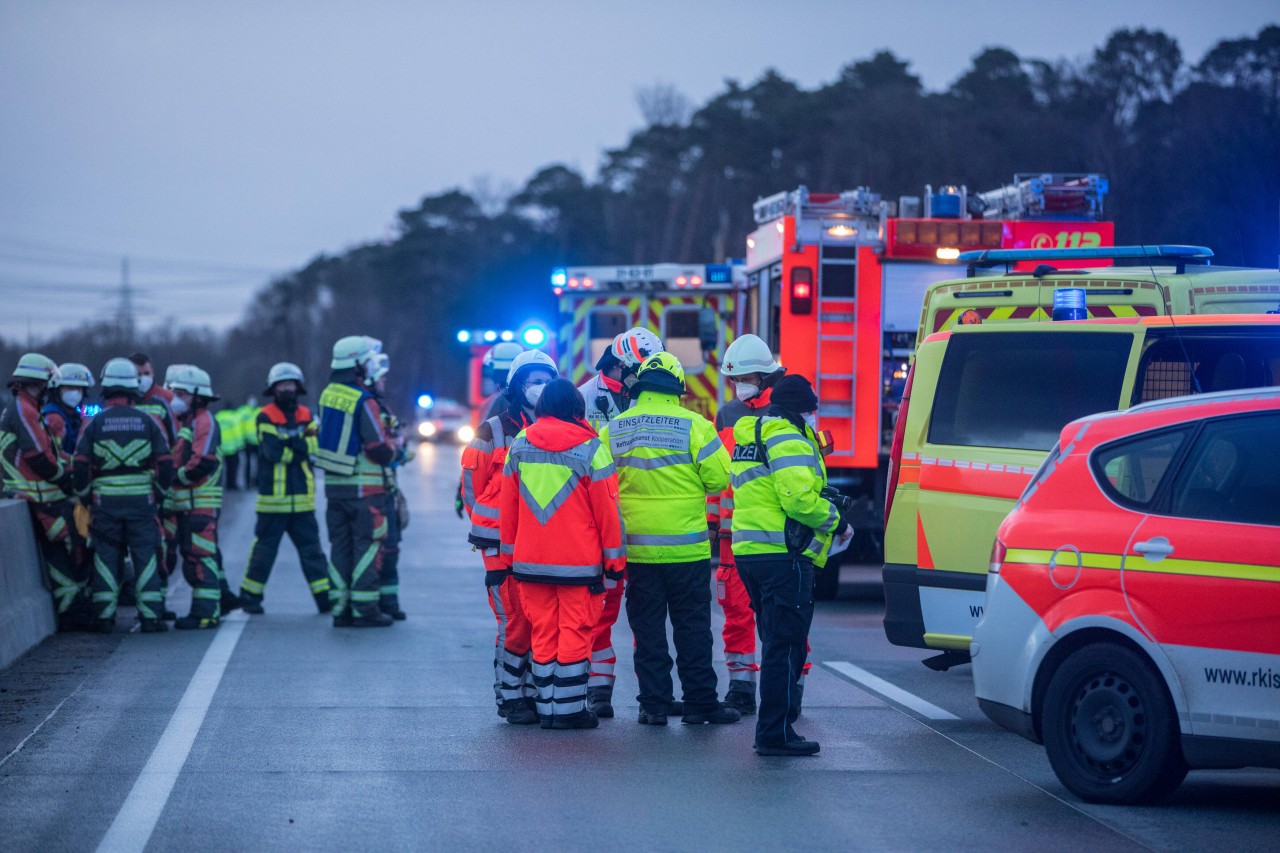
pixel 1166 379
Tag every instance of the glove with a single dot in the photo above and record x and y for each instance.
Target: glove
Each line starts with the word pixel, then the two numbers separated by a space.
pixel 458 505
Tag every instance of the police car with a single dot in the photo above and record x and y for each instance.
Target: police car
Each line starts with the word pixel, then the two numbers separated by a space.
pixel 1132 612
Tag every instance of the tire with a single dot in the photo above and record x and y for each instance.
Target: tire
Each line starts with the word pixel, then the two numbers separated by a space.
pixel 1110 728
pixel 826 581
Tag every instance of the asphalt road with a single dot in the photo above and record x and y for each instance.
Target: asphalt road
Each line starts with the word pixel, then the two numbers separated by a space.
pixel 278 732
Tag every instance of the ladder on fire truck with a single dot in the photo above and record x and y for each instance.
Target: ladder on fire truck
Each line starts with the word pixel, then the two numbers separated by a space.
pixel 1049 195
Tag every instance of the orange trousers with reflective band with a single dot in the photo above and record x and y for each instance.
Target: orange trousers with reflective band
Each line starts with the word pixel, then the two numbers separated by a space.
pixel 561 617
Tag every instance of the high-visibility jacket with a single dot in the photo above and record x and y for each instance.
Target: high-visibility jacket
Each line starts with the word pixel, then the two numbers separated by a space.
pixel 559 505
pixel 354 443
pixel 482 462
pixel 726 419
pixel 197 459
pixel 122 459
pixel 669 459
pixel 229 430
pixel 788 486
pixel 248 419
pixel 33 468
pixel 604 399
pixel 157 403
pixel 64 426
pixel 286 482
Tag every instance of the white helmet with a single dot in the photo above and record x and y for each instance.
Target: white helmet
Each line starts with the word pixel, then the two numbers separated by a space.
pixel 193 380
pixel 120 373
pixel 748 354
pixel 379 366
pixel 283 372
pixel 528 360
pixel 354 350
pixel 72 375
pixel 33 365
pixel 635 345
pixel 499 358
pixel 173 370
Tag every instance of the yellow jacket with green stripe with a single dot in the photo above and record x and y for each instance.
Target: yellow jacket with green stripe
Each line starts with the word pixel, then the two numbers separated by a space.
pixel 788 486
pixel 669 459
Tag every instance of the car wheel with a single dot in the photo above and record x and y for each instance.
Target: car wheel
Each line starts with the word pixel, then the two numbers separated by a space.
pixel 1110 728
pixel 826 581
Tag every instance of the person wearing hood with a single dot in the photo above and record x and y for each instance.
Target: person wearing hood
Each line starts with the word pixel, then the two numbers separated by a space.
pixel 561 536
pixel 286 491
pixel 669 460
pixel 122 465
pixel 783 526
pixel 353 448
pixel 482 463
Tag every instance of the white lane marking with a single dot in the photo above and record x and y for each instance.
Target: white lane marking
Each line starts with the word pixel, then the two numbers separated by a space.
pixel 132 828
pixel 889 691
pixel 56 709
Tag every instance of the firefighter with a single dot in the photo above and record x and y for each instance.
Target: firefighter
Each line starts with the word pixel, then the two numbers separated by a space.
pixel 783 525
pixel 286 491
pixel 482 464
pixel 157 401
pixel 35 471
pixel 353 448
pixel 389 578
pixel 625 354
pixel 751 367
pixel 197 497
pixel 561 535
pixel 229 428
pixel 62 416
pixel 122 464
pixel 669 459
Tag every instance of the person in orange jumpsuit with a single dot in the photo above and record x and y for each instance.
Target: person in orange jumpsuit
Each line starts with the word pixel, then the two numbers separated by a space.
pixel 561 534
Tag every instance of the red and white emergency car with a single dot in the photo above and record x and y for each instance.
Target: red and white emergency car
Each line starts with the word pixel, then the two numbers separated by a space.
pixel 1132 616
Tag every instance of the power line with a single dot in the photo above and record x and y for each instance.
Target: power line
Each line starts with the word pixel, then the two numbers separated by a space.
pixel 72 256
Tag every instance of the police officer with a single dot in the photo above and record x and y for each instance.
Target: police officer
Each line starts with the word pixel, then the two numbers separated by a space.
pixel 783 526
pixel 286 491
pixel 122 465
pixel 353 448
pixel 669 459
pixel 228 419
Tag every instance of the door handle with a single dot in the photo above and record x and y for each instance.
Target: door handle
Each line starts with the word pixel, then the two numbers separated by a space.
pixel 1155 549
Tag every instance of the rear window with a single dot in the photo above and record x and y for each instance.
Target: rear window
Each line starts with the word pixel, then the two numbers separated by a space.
pixel 1019 389
pixel 1189 361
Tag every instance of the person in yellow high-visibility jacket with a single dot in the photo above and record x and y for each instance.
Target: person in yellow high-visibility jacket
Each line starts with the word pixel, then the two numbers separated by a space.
pixel 784 524
pixel 669 459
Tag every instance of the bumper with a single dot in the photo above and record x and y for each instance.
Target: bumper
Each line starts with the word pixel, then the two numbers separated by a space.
pixel 1013 719
pixel 1008 646
pixel 943 620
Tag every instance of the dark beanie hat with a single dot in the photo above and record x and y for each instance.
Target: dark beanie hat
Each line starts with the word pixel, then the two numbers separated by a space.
pixel 607 360
pixel 794 394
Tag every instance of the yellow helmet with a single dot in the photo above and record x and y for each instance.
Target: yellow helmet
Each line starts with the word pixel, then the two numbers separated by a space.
pixel 661 372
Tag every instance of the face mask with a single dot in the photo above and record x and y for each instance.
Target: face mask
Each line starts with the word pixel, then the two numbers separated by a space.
pixel 812 420
pixel 746 391
pixel 287 399
pixel 73 398
pixel 532 393
pixel 179 405
pixel 145 383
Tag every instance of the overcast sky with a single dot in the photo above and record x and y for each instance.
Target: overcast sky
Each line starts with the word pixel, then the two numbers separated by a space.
pixel 216 142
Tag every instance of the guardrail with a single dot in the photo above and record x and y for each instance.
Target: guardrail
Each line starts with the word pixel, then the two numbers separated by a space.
pixel 26 608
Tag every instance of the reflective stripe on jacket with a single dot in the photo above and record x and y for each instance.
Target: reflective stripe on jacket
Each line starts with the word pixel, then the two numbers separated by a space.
pixel 122 458
pixel 157 403
pixel 197 458
pixel 482 463
pixel 354 443
pixel 229 430
pixel 559 505
pixel 286 482
pixel 602 404
pixel 29 456
pixel 726 419
pixel 669 460
pixel 788 487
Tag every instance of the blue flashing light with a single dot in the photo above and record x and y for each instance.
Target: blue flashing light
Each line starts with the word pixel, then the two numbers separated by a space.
pixel 490 336
pixel 508 335
pixel 426 401
pixel 1152 253
pixel 719 274
pixel 559 276
pixel 464 337
pixel 1069 304
pixel 534 336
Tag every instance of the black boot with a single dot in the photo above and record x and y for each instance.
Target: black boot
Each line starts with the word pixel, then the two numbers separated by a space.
pixel 154 626
pixel 193 623
pixel 580 720
pixel 741 699
pixel 343 619
pixel 251 606
pixel 394 612
pixel 600 701
pixel 518 713
pixel 105 626
pixel 791 747
pixel 719 715
pixel 323 604
pixel 230 601
pixel 377 619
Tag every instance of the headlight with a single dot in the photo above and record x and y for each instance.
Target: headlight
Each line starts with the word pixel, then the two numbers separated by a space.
pixel 426 429
pixel 465 434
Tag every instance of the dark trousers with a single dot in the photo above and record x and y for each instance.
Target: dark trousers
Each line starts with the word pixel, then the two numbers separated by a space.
pixel 305 534
pixel 66 559
pixel 781 593
pixel 683 592
pixel 231 467
pixel 357 527
pixel 389 580
pixel 115 533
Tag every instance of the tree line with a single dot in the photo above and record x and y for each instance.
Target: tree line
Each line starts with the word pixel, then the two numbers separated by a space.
pixel 1192 151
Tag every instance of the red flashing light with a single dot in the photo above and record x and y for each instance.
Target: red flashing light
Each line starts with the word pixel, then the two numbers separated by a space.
pixel 681 281
pixel 588 282
pixel 573 283
pixel 696 281
pixel 557 290
pixel 801 290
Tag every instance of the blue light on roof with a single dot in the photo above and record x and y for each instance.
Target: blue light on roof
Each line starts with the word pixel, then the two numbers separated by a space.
pixel 490 336
pixel 559 277
pixel 426 401
pixel 464 337
pixel 508 335
pixel 534 336
pixel 1151 253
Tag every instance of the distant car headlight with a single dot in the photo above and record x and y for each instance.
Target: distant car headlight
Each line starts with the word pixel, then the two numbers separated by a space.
pixel 426 429
pixel 465 434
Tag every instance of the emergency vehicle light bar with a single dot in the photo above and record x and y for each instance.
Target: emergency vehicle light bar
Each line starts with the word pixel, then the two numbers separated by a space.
pixel 1181 255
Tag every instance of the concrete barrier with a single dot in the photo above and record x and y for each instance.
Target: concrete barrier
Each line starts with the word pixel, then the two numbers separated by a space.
pixel 26 607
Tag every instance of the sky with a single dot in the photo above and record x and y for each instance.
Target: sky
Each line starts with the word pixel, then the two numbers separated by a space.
pixel 218 144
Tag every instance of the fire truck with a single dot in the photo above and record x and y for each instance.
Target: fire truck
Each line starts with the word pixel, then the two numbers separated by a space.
pixel 834 283
pixel 478 342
